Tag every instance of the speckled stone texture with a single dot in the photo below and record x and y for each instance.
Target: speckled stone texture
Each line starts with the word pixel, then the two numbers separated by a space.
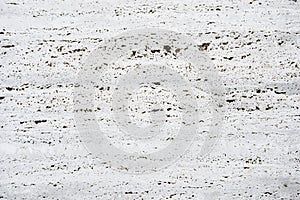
pixel 255 46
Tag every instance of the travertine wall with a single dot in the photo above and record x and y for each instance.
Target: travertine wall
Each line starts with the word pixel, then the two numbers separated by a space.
pixel 255 47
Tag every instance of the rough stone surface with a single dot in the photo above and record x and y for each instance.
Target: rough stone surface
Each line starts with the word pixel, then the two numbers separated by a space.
pixel 255 46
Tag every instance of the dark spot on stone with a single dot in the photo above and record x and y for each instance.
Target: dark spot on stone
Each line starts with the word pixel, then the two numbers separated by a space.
pixel 230 100
pixel 8 46
pixel 156 110
pixel 277 92
pixel 13 3
pixel 40 121
pixel 59 49
pixel 155 51
pixel 128 192
pixel 9 88
pixel 167 48
pixel 133 53
pixel 228 58
pixel 203 46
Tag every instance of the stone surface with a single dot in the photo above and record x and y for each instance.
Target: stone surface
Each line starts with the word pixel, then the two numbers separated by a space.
pixel 255 47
